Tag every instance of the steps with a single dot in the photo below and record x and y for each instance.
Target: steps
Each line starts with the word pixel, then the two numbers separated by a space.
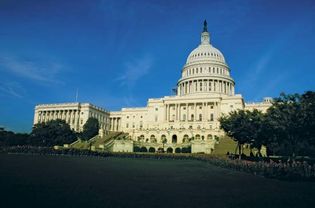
pixel 101 140
pixel 97 142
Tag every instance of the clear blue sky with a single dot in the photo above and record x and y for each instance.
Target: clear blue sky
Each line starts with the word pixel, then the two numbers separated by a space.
pixel 120 53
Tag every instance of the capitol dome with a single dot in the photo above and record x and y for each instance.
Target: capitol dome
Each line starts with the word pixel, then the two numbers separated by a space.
pixel 205 70
pixel 205 53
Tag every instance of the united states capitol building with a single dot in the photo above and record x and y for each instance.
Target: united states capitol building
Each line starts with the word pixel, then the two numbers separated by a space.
pixel 205 91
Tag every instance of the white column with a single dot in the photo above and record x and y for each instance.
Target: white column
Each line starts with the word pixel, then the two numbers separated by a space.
pixel 228 88
pixel 207 85
pixel 195 113
pixel 204 108
pixel 190 86
pixel 176 113
pixel 206 111
pixel 165 112
pixel 196 86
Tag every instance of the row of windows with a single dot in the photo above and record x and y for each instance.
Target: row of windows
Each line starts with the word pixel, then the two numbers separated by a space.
pixel 192 107
pixel 206 54
pixel 134 117
pixel 163 137
pixel 192 117
pixel 213 70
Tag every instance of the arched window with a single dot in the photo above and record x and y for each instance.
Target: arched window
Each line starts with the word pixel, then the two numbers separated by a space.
pixel 163 139
pixel 174 139
pixel 141 138
pixel 152 139
pixel 185 139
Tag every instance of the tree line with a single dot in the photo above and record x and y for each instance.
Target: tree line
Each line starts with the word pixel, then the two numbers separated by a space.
pixel 286 129
pixel 47 134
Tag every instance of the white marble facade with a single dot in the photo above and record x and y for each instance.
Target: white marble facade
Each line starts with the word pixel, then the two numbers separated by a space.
pixel 205 92
pixel 75 114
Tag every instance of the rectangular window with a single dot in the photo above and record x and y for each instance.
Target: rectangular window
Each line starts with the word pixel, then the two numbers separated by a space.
pixel 211 117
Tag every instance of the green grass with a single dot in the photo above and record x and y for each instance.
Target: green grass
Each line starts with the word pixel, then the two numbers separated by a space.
pixel 73 181
pixel 225 145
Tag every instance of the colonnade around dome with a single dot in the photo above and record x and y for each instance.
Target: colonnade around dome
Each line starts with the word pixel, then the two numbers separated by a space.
pixel 205 92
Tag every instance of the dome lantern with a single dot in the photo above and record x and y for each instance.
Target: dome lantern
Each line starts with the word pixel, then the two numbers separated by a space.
pixel 205 37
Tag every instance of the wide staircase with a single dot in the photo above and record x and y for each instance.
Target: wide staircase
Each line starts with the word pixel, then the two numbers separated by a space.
pixel 100 143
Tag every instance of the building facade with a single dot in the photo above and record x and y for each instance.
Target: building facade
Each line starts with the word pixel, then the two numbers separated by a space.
pixel 75 114
pixel 205 92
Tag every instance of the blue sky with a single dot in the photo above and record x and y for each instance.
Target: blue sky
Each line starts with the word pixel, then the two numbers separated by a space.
pixel 120 53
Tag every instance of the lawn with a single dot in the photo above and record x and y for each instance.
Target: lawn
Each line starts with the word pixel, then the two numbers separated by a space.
pixel 73 181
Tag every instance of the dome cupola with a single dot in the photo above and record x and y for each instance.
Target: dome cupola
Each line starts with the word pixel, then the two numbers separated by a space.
pixel 205 70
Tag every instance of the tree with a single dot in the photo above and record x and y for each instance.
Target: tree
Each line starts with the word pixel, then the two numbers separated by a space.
pixel 308 113
pixel 54 132
pixel 243 126
pixel 90 129
pixel 9 138
pixel 291 119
